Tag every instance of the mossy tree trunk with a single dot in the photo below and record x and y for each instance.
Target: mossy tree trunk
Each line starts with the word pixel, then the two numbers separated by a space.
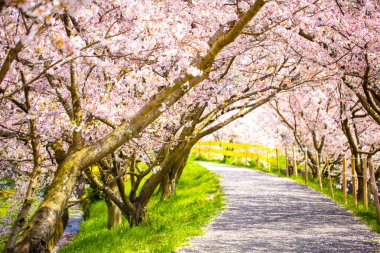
pixel 114 218
pixel 59 230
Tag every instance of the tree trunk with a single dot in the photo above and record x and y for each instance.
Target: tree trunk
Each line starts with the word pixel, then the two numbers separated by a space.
pixel 353 141
pixel 58 232
pixel 168 184
pixel 79 189
pixel 166 190
pixel 139 214
pixel 43 224
pixel 113 212
pixel 151 184
pixel 360 186
pixel 182 165
pixel 374 189
pixel 359 173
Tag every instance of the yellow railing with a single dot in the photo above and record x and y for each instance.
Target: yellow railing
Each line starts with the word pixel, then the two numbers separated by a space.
pixel 236 150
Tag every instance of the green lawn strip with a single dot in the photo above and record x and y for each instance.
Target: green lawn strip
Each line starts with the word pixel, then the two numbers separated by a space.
pixel 169 224
pixel 5 194
pixel 3 210
pixel 368 216
pixel 4 205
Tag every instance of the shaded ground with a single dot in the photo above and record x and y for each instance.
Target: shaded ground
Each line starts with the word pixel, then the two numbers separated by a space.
pixel 266 213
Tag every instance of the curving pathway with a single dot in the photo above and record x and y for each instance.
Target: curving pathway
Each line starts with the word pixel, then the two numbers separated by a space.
pixel 265 213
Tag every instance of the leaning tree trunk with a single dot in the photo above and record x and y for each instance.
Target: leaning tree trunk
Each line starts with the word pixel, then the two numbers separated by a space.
pixel 43 225
pixel 168 183
pixel 182 166
pixel 150 185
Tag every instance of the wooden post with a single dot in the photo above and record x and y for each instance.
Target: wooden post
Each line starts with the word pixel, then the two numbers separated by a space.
pixel 287 161
pixel 319 173
pixel 365 186
pixel 295 172
pixel 278 162
pixel 306 168
pixel 375 192
pixel 344 179
pixel 353 173
pixel 329 176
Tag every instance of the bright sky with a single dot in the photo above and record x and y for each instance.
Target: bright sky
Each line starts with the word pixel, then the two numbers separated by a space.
pixel 257 127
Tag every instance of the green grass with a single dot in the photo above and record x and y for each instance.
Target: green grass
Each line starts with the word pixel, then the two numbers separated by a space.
pixel 5 194
pixel 169 224
pixel 3 206
pixel 3 210
pixel 366 215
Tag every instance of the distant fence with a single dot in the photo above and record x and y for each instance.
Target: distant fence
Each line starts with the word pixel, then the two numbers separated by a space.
pixel 236 150
pixel 293 159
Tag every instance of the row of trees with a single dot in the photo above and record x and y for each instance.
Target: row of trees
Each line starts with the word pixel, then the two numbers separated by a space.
pixel 109 84
pixel 335 128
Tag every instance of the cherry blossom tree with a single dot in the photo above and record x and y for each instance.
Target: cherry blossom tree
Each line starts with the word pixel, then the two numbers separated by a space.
pixel 310 115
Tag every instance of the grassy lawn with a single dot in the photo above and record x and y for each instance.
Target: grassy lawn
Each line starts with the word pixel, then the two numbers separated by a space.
pixel 366 215
pixel 169 224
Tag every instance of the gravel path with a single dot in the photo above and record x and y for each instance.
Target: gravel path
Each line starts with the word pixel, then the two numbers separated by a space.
pixel 265 213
